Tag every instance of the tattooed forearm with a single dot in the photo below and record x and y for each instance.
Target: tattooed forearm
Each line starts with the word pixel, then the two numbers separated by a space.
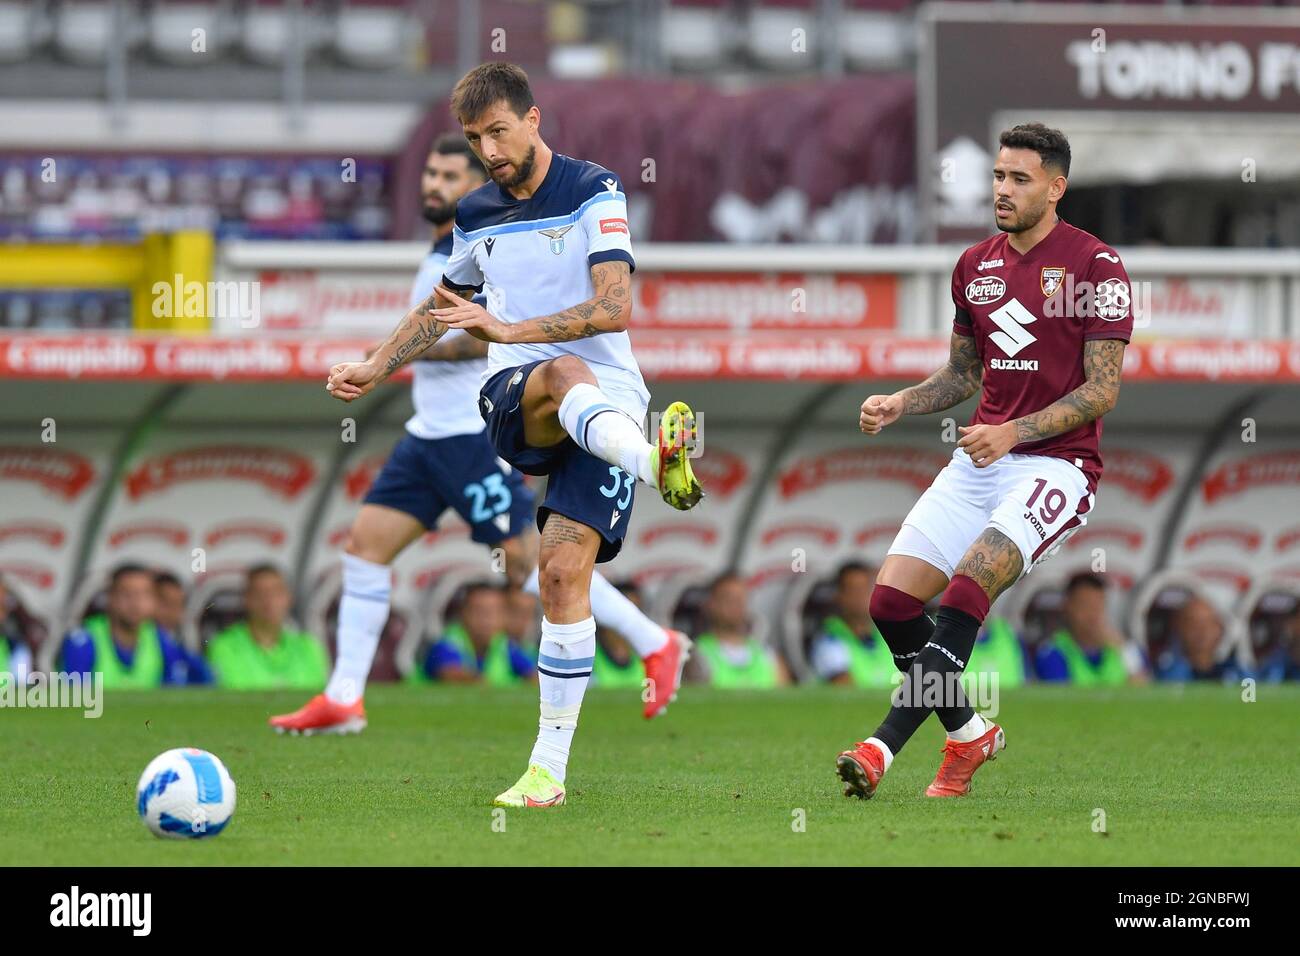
pixel 412 336
pixel 951 385
pixel 608 310
pixel 994 561
pixel 461 348
pixel 1103 365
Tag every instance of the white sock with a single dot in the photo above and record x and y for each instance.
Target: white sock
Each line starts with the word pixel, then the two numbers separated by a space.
pixel 611 608
pixel 363 609
pixel 884 750
pixel 973 729
pixel 600 428
pixel 566 650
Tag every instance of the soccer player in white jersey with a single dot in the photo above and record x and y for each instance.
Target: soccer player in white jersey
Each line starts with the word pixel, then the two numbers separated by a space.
pixel 446 460
pixel 548 243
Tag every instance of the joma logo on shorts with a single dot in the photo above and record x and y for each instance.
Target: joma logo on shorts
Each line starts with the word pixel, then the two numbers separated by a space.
pixel 1029 516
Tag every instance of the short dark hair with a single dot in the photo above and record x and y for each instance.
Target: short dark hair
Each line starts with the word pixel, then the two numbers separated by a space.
pixel 488 84
pixel 122 570
pixel 1085 579
pixel 455 144
pixel 167 578
pixel 725 577
pixel 266 567
pixel 477 587
pixel 1050 144
pixel 849 567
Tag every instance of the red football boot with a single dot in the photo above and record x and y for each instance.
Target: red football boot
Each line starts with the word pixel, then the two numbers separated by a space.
pixel 960 761
pixel 664 669
pixel 861 769
pixel 322 716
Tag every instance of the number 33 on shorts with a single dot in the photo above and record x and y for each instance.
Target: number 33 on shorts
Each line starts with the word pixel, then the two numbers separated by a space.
pixel 620 486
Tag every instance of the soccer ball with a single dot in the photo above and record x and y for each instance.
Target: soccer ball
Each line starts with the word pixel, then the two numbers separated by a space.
pixel 187 794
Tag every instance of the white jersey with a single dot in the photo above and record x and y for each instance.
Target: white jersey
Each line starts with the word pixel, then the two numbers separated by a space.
pixel 533 257
pixel 445 394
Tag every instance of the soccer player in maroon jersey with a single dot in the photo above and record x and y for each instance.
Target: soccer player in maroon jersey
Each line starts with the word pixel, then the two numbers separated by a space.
pixel 1043 315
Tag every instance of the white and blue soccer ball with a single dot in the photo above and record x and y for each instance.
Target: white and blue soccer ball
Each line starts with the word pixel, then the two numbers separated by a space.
pixel 186 794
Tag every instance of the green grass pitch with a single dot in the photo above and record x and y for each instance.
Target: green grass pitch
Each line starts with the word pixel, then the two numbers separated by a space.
pixel 1183 776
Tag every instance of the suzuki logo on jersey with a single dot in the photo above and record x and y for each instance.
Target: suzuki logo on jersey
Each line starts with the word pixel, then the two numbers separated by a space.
pixel 1012 337
pixel 1051 279
pixel 557 238
pixel 988 264
pixel 985 289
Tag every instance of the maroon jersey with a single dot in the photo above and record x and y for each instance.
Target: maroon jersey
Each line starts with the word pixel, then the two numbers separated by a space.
pixel 1030 316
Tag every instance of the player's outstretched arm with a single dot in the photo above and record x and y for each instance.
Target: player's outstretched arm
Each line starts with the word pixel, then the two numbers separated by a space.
pixel 608 310
pixel 1103 365
pixel 949 386
pixel 415 333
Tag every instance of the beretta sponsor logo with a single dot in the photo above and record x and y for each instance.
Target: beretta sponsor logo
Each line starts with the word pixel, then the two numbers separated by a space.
pixel 985 289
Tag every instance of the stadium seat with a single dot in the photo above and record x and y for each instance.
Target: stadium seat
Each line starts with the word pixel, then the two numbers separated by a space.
pixel 267 27
pixel 771 30
pixel 809 600
pixel 320 613
pixel 372 34
pixel 213 605
pixel 33 625
pixel 23 28
pixel 1271 611
pixel 83 30
pixel 176 27
pixel 1159 600
pixel 695 36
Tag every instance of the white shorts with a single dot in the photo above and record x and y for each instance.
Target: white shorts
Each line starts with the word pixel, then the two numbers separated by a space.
pixel 1034 500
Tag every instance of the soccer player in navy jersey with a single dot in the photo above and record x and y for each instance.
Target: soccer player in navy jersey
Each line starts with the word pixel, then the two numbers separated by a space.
pixel 548 244
pixel 1043 312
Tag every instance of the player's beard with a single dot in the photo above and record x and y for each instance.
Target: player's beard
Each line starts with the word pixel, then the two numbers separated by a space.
pixel 523 171
pixel 1027 220
pixel 439 214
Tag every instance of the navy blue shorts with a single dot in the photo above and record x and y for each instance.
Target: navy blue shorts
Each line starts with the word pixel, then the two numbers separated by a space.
pixel 580 486
pixel 424 477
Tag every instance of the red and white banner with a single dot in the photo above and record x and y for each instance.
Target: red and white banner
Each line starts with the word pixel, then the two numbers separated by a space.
pixel 768 355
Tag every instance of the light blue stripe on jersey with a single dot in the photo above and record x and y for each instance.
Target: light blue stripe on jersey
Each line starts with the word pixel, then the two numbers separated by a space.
pixel 530 225
pixel 578 663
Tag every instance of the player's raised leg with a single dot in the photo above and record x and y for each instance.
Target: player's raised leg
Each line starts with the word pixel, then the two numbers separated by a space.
pixel 663 651
pixel 378 535
pixel 562 397
pixel 565 656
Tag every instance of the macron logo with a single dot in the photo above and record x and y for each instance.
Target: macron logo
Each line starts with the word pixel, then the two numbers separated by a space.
pixel 103 909
pixel 1107 256
pixel 614 518
pixel 487 244
pixel 611 185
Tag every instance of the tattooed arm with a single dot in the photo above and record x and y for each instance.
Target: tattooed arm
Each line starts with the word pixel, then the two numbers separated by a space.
pixel 415 333
pixel 1103 364
pixel 608 310
pixel 951 385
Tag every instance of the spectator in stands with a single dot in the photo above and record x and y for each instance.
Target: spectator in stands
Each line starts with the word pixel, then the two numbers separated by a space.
pixel 726 655
pixel 126 645
pixel 848 649
pixel 615 663
pixel 1284 662
pixel 1088 650
pixel 15 655
pixel 1194 651
pixel 169 600
pixel 522 619
pixel 262 652
pixel 475 648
